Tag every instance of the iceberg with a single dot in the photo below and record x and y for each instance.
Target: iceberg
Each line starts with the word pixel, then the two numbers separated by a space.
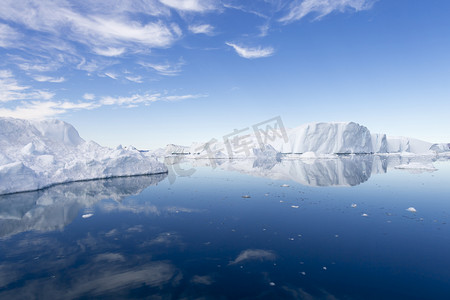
pixel 312 140
pixel 38 154
pixel 410 145
pixel 327 138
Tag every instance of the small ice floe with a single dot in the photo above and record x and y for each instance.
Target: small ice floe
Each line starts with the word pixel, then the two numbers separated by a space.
pixel 246 196
pixel 291 239
pixel 324 268
pixel 266 194
pixel 336 235
pixel 85 216
pixel 272 283
pixel 364 215
pixel 294 206
pixel 411 209
pixel 303 273
pixel 353 205
pixel 284 185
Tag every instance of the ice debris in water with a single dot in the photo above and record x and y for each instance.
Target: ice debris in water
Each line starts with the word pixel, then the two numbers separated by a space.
pixel 85 216
pixel 284 185
pixel 353 205
pixel 364 215
pixel 246 196
pixel 411 209
pixel 294 206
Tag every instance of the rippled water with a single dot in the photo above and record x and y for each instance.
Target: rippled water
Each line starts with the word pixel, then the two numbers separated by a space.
pixel 296 229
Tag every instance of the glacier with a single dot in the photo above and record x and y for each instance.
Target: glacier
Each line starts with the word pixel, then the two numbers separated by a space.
pixel 38 154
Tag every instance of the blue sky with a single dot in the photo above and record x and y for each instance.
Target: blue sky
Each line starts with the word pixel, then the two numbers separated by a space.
pixel 153 72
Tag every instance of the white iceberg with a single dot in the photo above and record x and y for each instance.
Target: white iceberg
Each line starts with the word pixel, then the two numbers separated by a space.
pixel 312 140
pixel 38 154
pixel 326 138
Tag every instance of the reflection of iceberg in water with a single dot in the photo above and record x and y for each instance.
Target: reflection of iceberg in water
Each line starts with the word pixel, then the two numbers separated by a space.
pixel 57 206
pixel 339 171
pixel 348 170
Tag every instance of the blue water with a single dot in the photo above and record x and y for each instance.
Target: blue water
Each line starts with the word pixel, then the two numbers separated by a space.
pixel 196 237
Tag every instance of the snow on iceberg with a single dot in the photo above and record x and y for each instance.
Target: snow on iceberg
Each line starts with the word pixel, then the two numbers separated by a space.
pixel 37 154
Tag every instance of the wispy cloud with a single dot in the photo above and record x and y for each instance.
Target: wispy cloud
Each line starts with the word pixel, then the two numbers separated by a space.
pixel 146 99
pixel 109 51
pixel 201 29
pixel 95 28
pixel 137 79
pixel 88 96
pixel 251 53
pixel 49 109
pixel 11 90
pixel 191 5
pixel 112 75
pixel 8 36
pixel 43 109
pixel 165 69
pixel 299 9
pixel 49 79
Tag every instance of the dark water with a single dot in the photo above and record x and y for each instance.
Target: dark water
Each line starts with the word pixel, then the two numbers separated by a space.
pixel 339 230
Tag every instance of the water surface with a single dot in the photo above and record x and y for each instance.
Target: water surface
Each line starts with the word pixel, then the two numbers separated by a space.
pixel 324 229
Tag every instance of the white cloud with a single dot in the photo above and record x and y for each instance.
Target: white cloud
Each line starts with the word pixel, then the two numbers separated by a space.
pixel 104 33
pixel 191 5
pixel 164 69
pixel 111 75
pixel 88 96
pixel 49 79
pixel 11 90
pixel 299 9
pixel 145 99
pixel 251 53
pixel 109 51
pixel 8 36
pixel 203 28
pixel 137 79
pixel 43 109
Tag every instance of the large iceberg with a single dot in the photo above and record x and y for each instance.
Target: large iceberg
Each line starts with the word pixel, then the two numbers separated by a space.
pixel 37 154
pixel 326 138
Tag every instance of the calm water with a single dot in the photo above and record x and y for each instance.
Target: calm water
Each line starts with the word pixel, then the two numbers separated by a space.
pixel 328 229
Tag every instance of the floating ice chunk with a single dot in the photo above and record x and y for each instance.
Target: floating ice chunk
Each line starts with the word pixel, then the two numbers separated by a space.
pixel 353 205
pixel 303 273
pixel 411 209
pixel 284 185
pixel 324 268
pixel 246 196
pixel 85 216
pixel 272 283
pixel 294 206
pixel 417 166
pixel 364 215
